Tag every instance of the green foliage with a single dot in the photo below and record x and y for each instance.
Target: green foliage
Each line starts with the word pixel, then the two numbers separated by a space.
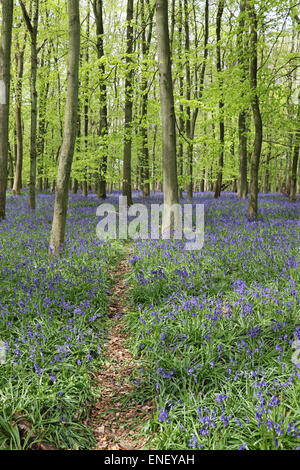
pixel 277 46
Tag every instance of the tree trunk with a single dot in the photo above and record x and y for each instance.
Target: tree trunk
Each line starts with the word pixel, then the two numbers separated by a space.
pixel 33 128
pixel 103 125
pixel 154 159
pixel 242 121
pixel 267 172
pixel 86 110
pixel 188 123
pixel 253 208
pixel 70 132
pixel 218 185
pixel 146 42
pixel 5 49
pixel 32 26
pixel 18 117
pixel 293 179
pixel 170 184
pixel 128 106
pixel 75 186
pixel 10 168
pixel 181 108
pixel 42 124
pixel 199 92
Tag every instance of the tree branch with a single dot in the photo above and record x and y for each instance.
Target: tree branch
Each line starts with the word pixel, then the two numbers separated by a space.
pixel 26 18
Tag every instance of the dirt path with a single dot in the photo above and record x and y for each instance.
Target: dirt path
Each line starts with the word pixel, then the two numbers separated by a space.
pixel 117 418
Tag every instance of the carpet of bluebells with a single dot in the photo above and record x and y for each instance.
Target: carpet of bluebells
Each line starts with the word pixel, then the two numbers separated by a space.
pixel 217 330
pixel 52 322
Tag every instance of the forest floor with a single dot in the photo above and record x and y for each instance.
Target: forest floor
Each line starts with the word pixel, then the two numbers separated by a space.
pixel 117 417
pixel 145 344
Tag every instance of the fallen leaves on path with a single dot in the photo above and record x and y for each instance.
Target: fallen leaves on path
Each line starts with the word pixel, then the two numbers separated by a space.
pixel 118 419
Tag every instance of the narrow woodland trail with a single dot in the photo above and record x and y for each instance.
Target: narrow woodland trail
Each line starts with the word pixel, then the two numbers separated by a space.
pixel 117 419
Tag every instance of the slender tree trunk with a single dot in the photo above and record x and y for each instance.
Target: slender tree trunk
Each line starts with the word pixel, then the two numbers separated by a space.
pixel 202 181
pixel 153 158
pixel 199 90
pixel 18 117
pixel 253 207
pixel 32 26
pixel 33 132
pixel 218 185
pixel 173 21
pixel 5 50
pixel 181 108
pixel 42 125
pixel 170 184
pixel 242 121
pixel 291 78
pixel 10 168
pixel 146 42
pixel 293 179
pixel 243 183
pixel 70 131
pixel 86 110
pixel 188 123
pixel 59 89
pixel 75 184
pixel 128 106
pixel 267 172
pixel 103 125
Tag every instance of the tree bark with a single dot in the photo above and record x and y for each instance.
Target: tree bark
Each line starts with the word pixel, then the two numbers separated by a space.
pixel 10 168
pixel 188 123
pixel 5 50
pixel 218 185
pixel 253 206
pixel 242 120
pixel 42 123
pixel 146 42
pixel 127 190
pixel 267 172
pixel 32 26
pixel 170 184
pixel 293 179
pixel 86 110
pixel 19 56
pixel 199 92
pixel 154 159
pixel 103 125
pixel 181 108
pixel 70 132
pixel 75 184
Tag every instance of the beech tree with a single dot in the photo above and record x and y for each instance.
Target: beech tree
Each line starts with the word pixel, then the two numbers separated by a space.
pixel 252 208
pixel 243 61
pixel 5 60
pixel 32 25
pixel 218 104
pixel 98 11
pixel 70 132
pixel 293 183
pixel 146 43
pixel 218 185
pixel 19 56
pixel 128 105
pixel 169 163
